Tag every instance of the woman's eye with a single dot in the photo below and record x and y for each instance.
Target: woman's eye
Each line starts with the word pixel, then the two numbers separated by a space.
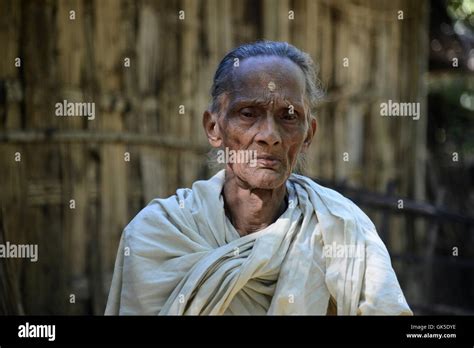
pixel 247 113
pixel 289 116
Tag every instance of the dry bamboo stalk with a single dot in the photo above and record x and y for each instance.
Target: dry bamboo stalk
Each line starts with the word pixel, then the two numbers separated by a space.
pixel 172 64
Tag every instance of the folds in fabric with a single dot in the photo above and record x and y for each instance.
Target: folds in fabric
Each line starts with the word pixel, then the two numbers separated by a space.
pixel 182 256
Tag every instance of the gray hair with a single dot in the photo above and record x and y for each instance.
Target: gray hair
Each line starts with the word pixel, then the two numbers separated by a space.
pixel 222 82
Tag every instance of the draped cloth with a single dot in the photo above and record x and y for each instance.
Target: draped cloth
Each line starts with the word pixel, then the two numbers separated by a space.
pixel 182 256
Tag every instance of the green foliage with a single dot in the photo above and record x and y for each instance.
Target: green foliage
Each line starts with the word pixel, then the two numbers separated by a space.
pixel 462 10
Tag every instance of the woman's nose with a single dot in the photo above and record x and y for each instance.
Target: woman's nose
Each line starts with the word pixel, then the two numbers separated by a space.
pixel 269 133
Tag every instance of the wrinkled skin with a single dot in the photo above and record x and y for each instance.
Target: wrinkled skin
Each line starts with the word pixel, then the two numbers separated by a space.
pixel 265 111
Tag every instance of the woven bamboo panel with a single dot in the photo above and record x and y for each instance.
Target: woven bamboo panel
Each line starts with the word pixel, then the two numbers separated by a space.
pixel 140 146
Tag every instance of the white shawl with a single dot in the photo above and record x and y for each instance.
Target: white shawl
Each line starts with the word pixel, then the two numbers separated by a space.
pixel 181 255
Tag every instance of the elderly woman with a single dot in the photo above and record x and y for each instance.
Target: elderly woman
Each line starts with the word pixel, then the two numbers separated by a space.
pixel 256 238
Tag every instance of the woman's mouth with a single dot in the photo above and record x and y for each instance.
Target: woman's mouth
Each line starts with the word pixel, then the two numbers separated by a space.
pixel 268 161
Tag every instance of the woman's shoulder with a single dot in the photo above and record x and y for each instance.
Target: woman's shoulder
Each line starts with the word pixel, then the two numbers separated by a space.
pixel 336 203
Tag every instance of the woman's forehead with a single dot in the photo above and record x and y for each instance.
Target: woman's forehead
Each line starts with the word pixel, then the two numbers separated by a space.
pixel 268 77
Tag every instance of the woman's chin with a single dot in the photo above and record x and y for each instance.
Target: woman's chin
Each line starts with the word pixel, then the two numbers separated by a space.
pixel 264 178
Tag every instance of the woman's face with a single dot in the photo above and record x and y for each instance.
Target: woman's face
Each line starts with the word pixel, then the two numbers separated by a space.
pixel 265 113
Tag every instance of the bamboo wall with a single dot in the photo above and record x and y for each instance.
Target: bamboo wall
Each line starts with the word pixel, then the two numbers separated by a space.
pixel 172 62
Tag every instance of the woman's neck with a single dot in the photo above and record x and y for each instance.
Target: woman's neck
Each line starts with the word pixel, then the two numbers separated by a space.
pixel 252 209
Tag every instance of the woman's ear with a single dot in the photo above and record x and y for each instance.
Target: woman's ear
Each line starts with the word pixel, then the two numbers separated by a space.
pixel 313 126
pixel 211 127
